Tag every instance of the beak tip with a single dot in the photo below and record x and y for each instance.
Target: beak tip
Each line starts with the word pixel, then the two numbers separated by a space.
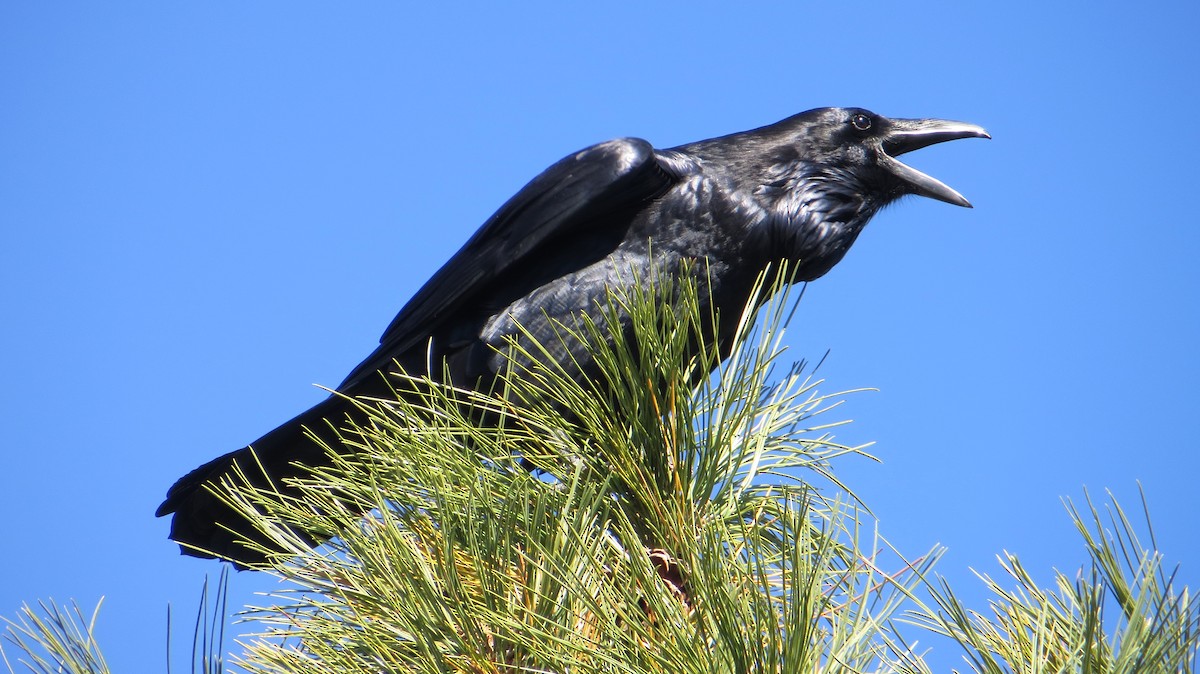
pixel 960 200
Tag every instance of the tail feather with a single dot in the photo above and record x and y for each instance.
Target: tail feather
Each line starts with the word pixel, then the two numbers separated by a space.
pixel 205 525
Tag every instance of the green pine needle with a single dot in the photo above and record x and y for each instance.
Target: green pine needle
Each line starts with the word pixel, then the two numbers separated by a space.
pixel 679 514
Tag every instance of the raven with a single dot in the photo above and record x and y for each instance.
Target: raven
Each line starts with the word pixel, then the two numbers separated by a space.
pixel 799 190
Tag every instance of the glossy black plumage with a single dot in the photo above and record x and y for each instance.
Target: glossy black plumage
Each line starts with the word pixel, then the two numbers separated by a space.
pixel 801 190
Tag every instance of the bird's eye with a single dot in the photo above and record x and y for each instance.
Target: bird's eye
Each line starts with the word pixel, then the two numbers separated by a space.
pixel 861 122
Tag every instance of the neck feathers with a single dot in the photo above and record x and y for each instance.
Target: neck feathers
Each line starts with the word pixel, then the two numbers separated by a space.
pixel 816 213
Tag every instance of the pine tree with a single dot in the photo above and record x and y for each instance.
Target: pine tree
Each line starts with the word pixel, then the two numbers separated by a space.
pixel 659 519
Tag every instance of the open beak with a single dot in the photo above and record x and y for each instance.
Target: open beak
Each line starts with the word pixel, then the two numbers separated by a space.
pixel 906 135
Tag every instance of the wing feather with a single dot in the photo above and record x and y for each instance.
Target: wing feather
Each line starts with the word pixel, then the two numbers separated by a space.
pixel 581 190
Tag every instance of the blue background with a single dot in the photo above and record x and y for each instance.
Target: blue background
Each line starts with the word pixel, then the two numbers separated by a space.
pixel 206 208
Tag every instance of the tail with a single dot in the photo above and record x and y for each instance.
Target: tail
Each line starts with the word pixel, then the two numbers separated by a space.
pixel 205 526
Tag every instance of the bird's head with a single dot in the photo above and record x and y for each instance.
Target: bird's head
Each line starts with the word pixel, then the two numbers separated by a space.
pixel 819 176
pixel 862 149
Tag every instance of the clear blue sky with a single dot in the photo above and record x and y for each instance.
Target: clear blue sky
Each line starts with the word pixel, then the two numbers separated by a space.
pixel 206 208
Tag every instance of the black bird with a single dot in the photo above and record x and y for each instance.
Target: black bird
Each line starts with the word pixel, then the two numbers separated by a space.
pixel 798 190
